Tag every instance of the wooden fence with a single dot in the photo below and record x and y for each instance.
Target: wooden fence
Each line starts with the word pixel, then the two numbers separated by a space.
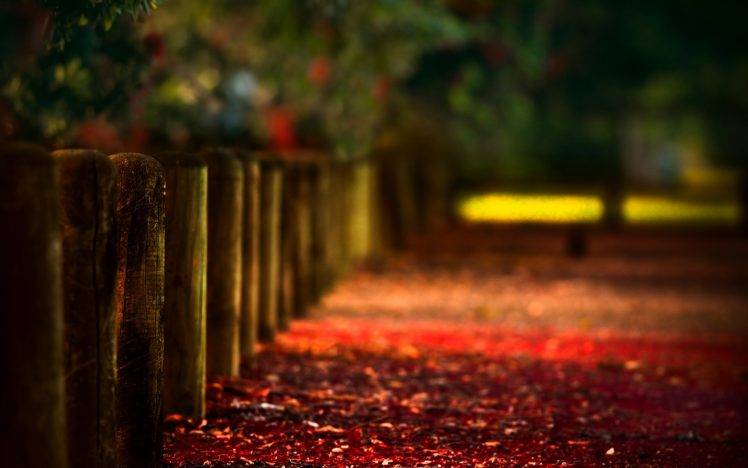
pixel 127 279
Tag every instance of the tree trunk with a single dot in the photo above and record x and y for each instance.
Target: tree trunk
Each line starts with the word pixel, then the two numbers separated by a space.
pixel 613 204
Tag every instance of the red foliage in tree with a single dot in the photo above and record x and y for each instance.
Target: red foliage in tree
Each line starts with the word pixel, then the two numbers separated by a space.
pixel 99 134
pixel 381 89
pixel 319 71
pixel 281 128
pixel 154 44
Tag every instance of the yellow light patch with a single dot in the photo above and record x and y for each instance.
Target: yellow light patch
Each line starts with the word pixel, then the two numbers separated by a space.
pixel 656 210
pixel 637 209
pixel 498 207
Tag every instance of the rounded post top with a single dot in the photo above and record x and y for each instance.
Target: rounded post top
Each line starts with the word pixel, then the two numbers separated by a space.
pixel 138 170
pixel 25 153
pixel 83 155
pixel 135 160
pixel 222 162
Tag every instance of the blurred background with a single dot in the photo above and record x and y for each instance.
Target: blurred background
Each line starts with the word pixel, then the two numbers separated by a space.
pixel 573 111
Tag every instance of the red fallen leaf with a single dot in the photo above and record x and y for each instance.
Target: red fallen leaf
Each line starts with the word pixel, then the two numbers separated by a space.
pixel 289 402
pixel 174 418
pixel 261 393
pixel 355 435
pixel 329 428
pixel 491 443
pixel 578 442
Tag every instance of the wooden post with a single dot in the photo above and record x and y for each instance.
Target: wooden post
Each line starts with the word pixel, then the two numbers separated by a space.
pixel 359 226
pixel 185 282
pixel 303 241
pixel 139 300
pixel 289 227
pixel 250 256
pixel 33 406
pixel 317 233
pixel 323 229
pixel 270 207
pixel 338 216
pixel 225 222
pixel 87 206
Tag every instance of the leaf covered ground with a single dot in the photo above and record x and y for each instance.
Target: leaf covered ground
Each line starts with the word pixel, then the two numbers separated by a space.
pixel 492 347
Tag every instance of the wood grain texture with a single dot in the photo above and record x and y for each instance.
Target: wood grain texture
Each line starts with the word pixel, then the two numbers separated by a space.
pixel 185 283
pixel 87 205
pixel 139 304
pixel 31 362
pixel 270 213
pixel 225 224
pixel 250 256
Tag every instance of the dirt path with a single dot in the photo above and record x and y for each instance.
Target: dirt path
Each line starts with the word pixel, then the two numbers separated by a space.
pixel 488 346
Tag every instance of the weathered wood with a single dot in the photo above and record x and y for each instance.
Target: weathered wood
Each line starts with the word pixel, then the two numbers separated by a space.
pixel 338 215
pixel 359 221
pixel 185 282
pixel 288 233
pixel 250 256
pixel 321 233
pixel 31 333
pixel 302 260
pixel 139 303
pixel 87 206
pixel 270 213
pixel 346 216
pixel 225 223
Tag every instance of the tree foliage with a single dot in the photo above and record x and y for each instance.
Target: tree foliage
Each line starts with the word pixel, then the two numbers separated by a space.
pixel 66 62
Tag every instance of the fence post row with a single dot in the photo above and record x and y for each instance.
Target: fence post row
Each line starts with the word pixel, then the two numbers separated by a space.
pixel 139 303
pixel 31 349
pixel 87 207
pixel 225 223
pixel 185 282
pixel 172 268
